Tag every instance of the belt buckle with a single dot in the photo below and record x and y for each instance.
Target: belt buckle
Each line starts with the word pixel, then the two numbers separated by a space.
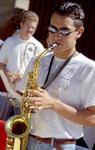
pixel 37 139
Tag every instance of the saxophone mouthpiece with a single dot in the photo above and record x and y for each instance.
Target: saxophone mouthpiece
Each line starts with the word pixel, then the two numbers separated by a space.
pixel 52 46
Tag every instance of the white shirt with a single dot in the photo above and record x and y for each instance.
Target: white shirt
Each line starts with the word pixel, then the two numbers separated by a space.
pixel 13 51
pixel 75 86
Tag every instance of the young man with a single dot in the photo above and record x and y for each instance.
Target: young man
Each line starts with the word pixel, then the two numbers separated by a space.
pixel 19 49
pixel 17 52
pixel 68 103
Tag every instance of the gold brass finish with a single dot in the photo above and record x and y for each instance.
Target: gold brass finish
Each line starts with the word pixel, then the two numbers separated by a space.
pixel 19 126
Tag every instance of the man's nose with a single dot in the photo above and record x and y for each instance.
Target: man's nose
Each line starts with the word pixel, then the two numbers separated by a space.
pixel 29 28
pixel 57 35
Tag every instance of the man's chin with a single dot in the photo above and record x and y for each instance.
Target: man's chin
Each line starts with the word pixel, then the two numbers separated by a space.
pixel 29 35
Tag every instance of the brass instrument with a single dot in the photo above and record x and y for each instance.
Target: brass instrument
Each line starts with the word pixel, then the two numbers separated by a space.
pixel 25 53
pixel 26 110
pixel 17 128
pixel 15 103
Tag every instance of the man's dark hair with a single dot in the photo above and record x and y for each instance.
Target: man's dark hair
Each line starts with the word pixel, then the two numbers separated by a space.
pixel 71 9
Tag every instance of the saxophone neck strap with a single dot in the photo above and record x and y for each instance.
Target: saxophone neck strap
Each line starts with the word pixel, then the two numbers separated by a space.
pixel 48 81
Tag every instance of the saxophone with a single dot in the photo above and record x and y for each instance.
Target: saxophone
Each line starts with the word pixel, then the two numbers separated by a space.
pixel 18 127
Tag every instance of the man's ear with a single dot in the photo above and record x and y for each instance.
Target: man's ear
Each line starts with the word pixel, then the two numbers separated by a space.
pixel 79 32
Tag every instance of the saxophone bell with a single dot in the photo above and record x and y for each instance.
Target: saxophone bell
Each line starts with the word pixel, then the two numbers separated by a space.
pixel 17 127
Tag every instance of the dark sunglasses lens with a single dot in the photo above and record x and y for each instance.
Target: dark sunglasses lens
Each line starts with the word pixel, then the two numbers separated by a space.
pixel 64 32
pixel 51 29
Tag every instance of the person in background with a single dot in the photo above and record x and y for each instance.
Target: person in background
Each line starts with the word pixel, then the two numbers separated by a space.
pixel 68 103
pixel 17 50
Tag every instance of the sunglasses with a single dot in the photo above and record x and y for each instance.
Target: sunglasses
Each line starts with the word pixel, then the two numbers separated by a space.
pixel 61 31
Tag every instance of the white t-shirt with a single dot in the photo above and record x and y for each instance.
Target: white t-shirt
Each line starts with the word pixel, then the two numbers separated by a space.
pixel 75 86
pixel 13 51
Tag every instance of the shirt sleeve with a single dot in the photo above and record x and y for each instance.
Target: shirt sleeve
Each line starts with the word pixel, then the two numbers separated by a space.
pixel 88 90
pixel 4 51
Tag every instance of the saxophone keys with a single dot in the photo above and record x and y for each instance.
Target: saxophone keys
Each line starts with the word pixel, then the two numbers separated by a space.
pixel 9 142
pixel 26 104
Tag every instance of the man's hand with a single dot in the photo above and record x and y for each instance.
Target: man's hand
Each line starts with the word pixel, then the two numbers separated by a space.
pixel 14 78
pixel 42 99
pixel 17 78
